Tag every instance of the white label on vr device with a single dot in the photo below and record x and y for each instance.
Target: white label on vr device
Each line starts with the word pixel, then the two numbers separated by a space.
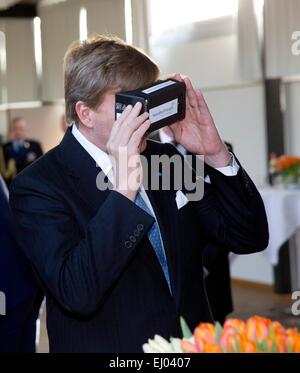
pixel 163 111
pixel 158 86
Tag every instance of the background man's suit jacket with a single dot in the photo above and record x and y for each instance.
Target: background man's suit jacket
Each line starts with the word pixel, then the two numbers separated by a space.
pixel 29 152
pixel 106 292
pixel 20 287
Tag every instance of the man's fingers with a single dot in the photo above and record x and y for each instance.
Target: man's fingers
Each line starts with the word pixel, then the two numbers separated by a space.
pixel 137 136
pixel 133 114
pixel 121 119
pixel 201 101
pixel 126 130
pixel 178 77
pixel 191 94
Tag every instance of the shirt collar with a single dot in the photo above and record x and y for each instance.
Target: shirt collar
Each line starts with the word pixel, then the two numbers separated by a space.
pixel 100 157
pixel 165 138
pixel 3 187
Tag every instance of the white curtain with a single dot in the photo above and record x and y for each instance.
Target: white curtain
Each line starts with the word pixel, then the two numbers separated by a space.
pixel 248 41
pixel 282 19
pixel 59 27
pixel 140 26
pixel 18 80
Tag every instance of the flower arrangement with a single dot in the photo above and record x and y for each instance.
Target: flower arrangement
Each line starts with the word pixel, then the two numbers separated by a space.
pixel 257 334
pixel 287 167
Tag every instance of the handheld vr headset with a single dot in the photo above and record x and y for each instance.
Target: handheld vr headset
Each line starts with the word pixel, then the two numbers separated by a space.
pixel 164 101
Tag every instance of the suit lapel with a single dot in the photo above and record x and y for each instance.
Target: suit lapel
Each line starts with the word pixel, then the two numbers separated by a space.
pixel 84 171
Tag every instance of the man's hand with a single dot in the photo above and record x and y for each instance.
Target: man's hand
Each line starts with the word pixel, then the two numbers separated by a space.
pixel 197 131
pixel 124 147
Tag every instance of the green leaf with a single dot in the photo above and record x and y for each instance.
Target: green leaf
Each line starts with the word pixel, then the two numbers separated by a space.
pixel 274 347
pixel 186 331
pixel 239 347
pixel 218 330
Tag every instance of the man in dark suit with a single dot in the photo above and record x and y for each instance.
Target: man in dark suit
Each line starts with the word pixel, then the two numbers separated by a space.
pixel 20 149
pixel 120 263
pixel 19 285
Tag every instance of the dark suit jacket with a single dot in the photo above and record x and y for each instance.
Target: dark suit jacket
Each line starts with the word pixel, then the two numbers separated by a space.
pixel 17 280
pixel 27 154
pixel 105 288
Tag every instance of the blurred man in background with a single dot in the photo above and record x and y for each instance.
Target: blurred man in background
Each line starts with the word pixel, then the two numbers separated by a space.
pixel 20 149
pixel 17 282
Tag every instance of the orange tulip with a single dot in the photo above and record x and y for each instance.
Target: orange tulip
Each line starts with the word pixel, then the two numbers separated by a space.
pixel 277 337
pixel 248 346
pixel 257 328
pixel 285 162
pixel 293 340
pixel 204 334
pixel 230 341
pixel 236 324
pixel 258 334
pixel 212 348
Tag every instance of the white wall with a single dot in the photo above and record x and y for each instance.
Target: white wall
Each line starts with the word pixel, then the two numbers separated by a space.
pixel 239 115
pixel 210 62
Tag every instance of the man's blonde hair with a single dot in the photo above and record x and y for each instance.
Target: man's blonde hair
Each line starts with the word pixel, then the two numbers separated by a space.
pixel 101 63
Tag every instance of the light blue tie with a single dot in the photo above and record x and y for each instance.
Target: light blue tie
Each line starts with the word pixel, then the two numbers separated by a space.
pixel 154 237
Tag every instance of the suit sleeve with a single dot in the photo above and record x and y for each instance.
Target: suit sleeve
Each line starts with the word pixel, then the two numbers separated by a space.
pixel 78 270
pixel 232 213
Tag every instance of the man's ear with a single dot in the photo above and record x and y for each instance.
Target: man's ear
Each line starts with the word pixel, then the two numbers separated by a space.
pixel 84 114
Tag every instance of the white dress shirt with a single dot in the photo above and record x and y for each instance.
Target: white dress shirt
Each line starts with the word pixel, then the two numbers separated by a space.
pixel 230 170
pixel 3 187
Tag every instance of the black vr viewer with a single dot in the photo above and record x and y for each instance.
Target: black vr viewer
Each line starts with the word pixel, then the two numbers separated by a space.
pixel 164 101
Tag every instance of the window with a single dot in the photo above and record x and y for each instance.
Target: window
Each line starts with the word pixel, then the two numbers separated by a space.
pixel 83 24
pixel 168 14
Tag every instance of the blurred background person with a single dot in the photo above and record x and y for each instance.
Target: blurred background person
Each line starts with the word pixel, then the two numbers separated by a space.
pixel 18 283
pixel 9 170
pixel 20 149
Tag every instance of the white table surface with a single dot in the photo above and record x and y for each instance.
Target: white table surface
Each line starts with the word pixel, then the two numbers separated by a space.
pixel 283 212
